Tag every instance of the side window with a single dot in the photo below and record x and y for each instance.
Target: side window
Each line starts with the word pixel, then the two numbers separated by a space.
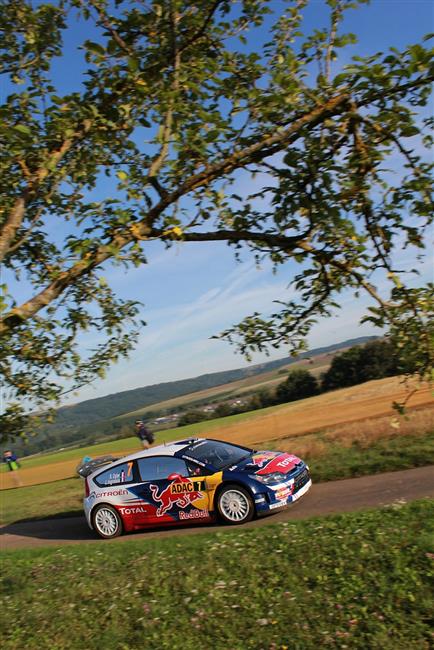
pixel 196 470
pixel 159 467
pixel 117 475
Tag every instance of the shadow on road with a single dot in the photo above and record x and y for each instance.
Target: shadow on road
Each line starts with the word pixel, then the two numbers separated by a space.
pixel 75 529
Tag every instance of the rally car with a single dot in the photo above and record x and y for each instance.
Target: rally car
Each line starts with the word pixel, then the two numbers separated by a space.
pixel 189 481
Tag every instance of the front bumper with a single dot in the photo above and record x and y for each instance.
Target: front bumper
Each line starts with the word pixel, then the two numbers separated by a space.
pixel 270 502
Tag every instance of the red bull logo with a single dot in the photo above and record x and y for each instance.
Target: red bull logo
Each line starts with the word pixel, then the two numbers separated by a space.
pixel 269 462
pixel 181 492
pixel 262 458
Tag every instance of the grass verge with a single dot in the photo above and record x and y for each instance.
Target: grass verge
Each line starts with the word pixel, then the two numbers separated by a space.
pixel 42 501
pixel 350 581
pixel 331 461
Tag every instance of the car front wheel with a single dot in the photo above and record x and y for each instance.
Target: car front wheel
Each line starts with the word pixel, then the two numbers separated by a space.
pixel 235 505
pixel 107 522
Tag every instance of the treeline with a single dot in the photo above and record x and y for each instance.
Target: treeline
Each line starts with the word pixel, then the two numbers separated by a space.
pixel 375 360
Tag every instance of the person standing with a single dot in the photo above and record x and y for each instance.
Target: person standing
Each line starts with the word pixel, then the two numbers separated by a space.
pixel 13 465
pixel 11 460
pixel 142 432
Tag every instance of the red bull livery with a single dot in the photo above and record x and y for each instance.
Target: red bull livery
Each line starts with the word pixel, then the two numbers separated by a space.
pixel 194 480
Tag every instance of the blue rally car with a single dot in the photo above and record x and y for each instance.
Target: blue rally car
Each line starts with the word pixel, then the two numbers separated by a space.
pixel 195 480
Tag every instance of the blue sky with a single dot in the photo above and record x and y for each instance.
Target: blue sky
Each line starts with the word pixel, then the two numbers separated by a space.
pixel 193 291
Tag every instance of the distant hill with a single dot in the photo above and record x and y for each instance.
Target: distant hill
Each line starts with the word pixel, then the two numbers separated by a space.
pixel 110 406
pixel 91 418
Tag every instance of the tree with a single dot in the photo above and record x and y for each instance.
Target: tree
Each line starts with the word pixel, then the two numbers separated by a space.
pixel 191 417
pixel 374 360
pixel 300 383
pixel 224 409
pixel 183 75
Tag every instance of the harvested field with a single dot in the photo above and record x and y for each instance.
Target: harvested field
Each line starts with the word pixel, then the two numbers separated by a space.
pixel 341 407
pixel 341 411
pixel 364 434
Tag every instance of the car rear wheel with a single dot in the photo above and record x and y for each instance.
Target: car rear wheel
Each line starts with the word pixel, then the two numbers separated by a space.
pixel 107 522
pixel 235 505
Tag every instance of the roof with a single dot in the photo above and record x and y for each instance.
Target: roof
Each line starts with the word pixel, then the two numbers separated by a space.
pixel 168 449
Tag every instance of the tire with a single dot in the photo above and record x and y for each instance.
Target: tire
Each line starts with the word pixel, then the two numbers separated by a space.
pixel 107 521
pixel 235 505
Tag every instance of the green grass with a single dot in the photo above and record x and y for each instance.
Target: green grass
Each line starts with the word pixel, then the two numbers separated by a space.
pixel 354 581
pixel 385 455
pixel 338 462
pixel 41 501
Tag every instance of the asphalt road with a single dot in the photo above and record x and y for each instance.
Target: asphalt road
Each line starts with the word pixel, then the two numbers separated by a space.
pixel 324 498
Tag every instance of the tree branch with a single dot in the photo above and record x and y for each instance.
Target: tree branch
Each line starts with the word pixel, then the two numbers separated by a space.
pixel 17 213
pixel 335 18
pixel 269 145
pixel 168 123
pixel 282 242
pixel 200 32
pixel 105 22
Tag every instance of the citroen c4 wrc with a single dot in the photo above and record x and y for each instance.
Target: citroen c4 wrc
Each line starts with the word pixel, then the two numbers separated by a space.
pixel 190 481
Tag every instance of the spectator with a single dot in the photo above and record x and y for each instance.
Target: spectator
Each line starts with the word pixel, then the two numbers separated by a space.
pixel 11 459
pixel 143 433
pixel 13 465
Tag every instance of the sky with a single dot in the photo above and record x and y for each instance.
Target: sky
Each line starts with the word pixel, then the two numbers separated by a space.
pixel 194 291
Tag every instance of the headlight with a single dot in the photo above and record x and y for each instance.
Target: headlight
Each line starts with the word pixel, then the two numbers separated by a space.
pixel 269 479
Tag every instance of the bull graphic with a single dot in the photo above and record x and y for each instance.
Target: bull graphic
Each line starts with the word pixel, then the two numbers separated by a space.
pixel 181 492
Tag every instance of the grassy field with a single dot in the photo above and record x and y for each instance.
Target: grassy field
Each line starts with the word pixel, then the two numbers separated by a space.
pixel 354 581
pixel 40 501
pixel 328 459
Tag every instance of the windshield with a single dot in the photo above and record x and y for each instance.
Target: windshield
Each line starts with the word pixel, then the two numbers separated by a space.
pixel 218 454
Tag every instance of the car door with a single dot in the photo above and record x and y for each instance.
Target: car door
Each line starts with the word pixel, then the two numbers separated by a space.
pixel 118 487
pixel 174 495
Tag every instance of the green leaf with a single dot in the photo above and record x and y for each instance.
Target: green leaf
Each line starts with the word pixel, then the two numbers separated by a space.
pixel 95 48
pixel 21 128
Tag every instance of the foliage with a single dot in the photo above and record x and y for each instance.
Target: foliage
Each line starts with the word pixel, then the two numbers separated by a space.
pixel 175 109
pixel 357 580
pixel 192 416
pixel 299 384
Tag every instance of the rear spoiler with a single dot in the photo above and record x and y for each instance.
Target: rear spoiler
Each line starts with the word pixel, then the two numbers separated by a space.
pixel 89 465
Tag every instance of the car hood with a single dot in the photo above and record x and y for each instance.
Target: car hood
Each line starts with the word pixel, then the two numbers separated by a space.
pixel 268 462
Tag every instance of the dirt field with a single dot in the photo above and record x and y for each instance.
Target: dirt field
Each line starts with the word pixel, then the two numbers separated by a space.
pixel 348 405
